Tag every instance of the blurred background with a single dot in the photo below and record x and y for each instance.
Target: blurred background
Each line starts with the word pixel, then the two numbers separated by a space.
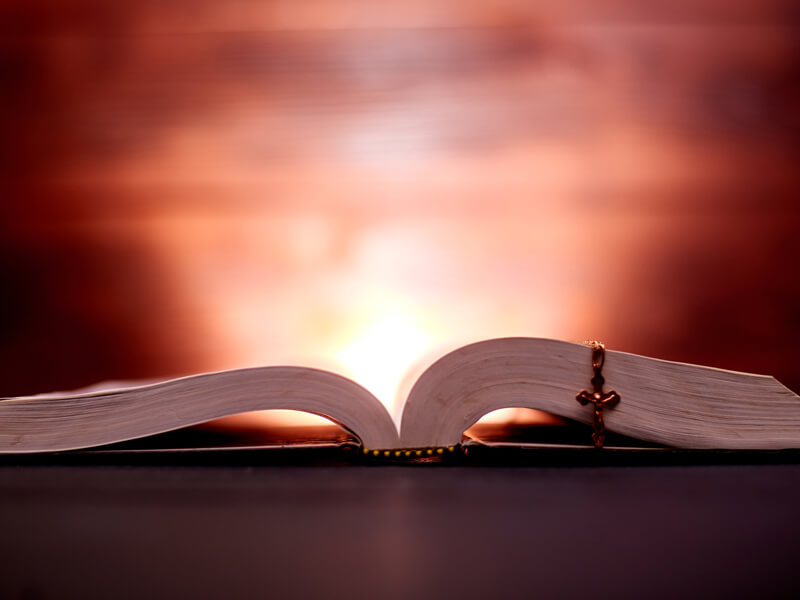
pixel 198 185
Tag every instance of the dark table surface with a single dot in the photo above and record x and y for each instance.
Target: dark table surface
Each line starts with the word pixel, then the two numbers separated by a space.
pixel 191 530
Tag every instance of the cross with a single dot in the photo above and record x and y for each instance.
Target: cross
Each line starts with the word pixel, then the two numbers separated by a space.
pixel 597 397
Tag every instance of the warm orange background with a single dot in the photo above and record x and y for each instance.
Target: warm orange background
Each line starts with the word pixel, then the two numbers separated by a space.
pixel 201 185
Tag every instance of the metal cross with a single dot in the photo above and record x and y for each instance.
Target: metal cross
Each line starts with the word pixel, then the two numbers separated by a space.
pixel 597 397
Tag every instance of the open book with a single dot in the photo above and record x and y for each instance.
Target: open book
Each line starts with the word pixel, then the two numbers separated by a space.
pixel 666 403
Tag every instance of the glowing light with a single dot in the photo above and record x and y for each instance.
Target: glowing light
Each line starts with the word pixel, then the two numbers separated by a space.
pixel 380 356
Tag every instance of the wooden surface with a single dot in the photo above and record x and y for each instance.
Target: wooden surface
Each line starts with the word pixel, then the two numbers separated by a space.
pixel 393 532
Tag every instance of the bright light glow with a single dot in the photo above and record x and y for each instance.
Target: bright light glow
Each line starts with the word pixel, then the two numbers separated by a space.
pixel 519 416
pixel 381 355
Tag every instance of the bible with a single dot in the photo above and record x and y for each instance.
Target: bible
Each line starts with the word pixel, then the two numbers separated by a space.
pixel 659 402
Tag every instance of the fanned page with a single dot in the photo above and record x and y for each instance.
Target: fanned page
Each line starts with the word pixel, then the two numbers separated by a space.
pixel 663 402
pixel 64 422
pixel 673 404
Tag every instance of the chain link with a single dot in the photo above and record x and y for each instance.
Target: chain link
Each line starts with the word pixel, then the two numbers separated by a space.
pixel 599 399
